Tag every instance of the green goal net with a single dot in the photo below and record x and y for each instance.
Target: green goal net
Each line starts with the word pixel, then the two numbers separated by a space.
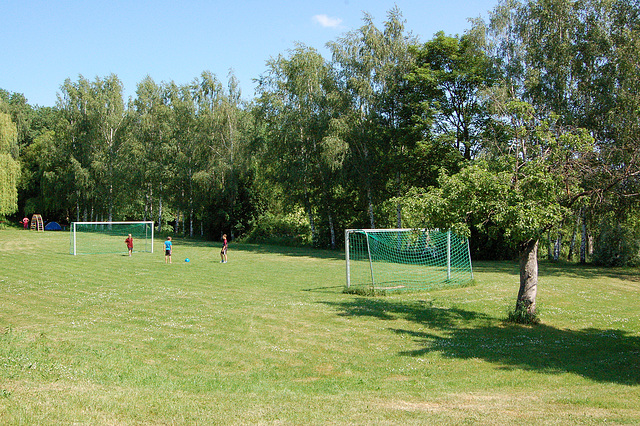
pixel 406 259
pixel 108 237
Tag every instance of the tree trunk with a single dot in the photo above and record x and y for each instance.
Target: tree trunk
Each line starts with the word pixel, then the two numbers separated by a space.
pixel 583 241
pixel 370 208
pixel 312 223
pixel 160 209
pixel 528 277
pixel 332 231
pixel 557 246
pixel 572 245
pixel 191 223
pixel 398 205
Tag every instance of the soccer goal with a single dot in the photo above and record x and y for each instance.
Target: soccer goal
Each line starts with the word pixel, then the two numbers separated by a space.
pixel 406 259
pixel 108 237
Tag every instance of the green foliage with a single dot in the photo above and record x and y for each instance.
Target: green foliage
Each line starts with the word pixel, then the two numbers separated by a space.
pixel 9 166
pixel 617 245
pixel 446 83
pixel 290 229
pixel 479 194
pixel 427 159
pixel 521 315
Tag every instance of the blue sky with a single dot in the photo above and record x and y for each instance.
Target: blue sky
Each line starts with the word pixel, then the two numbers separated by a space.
pixel 47 41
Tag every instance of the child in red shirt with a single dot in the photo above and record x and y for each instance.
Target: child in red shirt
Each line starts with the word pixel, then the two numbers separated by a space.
pixel 223 252
pixel 129 242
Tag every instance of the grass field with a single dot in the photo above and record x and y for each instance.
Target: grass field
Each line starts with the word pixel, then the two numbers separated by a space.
pixel 270 338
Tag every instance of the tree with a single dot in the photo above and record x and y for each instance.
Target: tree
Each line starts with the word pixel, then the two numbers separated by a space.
pixel 220 122
pixel 370 66
pixel 107 118
pixel 186 151
pixel 149 147
pixel 293 103
pixel 446 84
pixel 74 134
pixel 617 209
pixel 523 184
pixel 571 59
pixel 9 165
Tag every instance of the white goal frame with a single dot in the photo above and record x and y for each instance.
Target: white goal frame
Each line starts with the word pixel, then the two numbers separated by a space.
pixel 73 226
pixel 445 262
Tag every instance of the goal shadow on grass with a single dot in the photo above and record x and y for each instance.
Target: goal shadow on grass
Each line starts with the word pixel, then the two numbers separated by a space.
pixel 603 355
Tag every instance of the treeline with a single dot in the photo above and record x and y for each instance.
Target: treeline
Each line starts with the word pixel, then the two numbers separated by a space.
pixel 330 144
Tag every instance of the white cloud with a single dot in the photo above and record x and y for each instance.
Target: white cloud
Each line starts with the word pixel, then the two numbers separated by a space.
pixel 327 21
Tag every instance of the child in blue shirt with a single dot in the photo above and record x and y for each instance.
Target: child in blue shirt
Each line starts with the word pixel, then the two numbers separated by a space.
pixel 168 248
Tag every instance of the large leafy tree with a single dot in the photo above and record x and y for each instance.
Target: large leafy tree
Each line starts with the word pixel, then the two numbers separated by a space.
pixel 293 102
pixel 525 182
pixel 33 125
pixel 185 152
pixel 149 147
pixel 220 123
pixel 37 157
pixel 75 134
pixel 571 58
pixel 370 66
pixel 9 165
pixel 446 85
pixel 107 117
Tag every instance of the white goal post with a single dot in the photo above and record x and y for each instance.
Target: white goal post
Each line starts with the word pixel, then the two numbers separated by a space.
pixel 405 259
pixel 108 237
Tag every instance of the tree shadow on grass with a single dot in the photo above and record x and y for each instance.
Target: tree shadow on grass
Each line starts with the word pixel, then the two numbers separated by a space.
pixel 560 269
pixel 289 251
pixel 603 355
pixel 261 248
pixel 588 271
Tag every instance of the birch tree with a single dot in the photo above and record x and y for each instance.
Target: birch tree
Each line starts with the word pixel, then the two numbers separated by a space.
pixel 107 117
pixel 9 165
pixel 74 135
pixel 293 104
pixel 369 63
pixel 150 147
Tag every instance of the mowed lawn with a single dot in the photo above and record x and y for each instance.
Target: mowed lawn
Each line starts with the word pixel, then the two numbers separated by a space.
pixel 270 338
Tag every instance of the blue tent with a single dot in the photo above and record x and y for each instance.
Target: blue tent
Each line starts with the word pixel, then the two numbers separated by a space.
pixel 53 226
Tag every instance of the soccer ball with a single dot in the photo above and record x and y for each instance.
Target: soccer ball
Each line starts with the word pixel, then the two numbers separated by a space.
pixel 186 260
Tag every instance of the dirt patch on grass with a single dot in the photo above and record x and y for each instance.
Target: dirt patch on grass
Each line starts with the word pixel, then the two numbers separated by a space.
pixel 415 406
pixel 494 409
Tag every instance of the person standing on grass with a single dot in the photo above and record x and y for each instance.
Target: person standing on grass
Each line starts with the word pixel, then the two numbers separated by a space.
pixel 25 222
pixel 168 248
pixel 129 242
pixel 223 252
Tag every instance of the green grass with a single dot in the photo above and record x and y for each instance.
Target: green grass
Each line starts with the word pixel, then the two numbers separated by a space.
pixel 270 338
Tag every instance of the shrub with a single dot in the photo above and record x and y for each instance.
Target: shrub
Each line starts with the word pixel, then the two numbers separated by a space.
pixel 616 246
pixel 291 229
pixel 521 315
